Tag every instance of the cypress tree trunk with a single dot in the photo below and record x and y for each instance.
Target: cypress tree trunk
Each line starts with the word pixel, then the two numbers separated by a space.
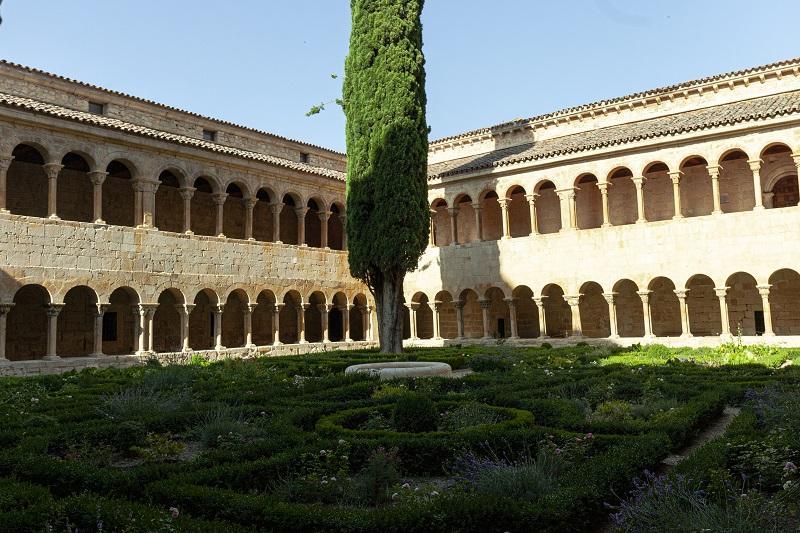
pixel 387 154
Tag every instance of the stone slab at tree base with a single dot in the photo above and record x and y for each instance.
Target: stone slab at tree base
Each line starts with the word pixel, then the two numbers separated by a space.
pixel 404 369
pixel 66 364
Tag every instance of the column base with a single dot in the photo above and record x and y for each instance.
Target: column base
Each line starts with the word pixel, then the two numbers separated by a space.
pixel 277 343
pixel 100 354
pixel 677 217
pixel 5 212
pixel 717 213
pixel 4 361
pixel 51 358
pixel 221 236
pixel 100 222
pixel 188 232
pixel 250 346
pixel 350 340
pixel 251 239
pixel 303 342
pixel 54 217
pixel 726 337
pixel 759 208
pixel 686 336
pixel 187 350
pixel 506 237
pixel 614 337
pixel 532 234
pixel 219 348
pixel 607 225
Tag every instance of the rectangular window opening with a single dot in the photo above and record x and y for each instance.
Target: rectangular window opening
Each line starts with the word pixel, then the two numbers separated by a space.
pixel 209 135
pixel 304 157
pixel 97 108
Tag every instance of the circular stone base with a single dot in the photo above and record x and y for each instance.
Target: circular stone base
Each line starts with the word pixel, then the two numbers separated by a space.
pixel 408 369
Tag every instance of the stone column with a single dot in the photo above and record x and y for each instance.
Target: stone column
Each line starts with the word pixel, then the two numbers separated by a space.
pixel 769 199
pixel 365 321
pixel 648 327
pixel 432 231
pixel 368 317
pixel 276 324
pixel 412 310
pixel 301 225
pixel 453 225
pixel 755 167
pixel 676 194
pixel 542 318
pixel 532 208
pixel 249 204
pixel 324 216
pixel 437 307
pixel 325 310
pixel 52 331
pixel 52 170
pixel 721 293
pixel 504 217
pixel 149 313
pixel 713 171
pixel 345 310
pixel 639 184
pixel 149 189
pixel 301 323
pixel 476 206
pixel 459 305
pixel 185 310
pixel 485 315
pixel 567 198
pixel 343 218
pixel 5 308
pixel 187 193
pixel 512 311
pixel 276 209
pixel 218 310
pixel 574 304
pixel 5 164
pixel 138 189
pixel 97 178
pixel 603 186
pixel 248 325
pixel 219 200
pixel 686 331
pixel 138 329
pixel 100 310
pixel 763 290
pixel 612 313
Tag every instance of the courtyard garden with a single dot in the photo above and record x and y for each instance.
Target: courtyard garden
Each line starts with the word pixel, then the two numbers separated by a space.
pixel 521 439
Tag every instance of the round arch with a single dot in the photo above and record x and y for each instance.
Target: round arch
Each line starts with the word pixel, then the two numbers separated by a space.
pixel 595 318
pixel 629 309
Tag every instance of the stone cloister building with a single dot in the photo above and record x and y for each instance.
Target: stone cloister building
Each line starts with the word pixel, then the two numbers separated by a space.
pixel 131 227
pixel 668 213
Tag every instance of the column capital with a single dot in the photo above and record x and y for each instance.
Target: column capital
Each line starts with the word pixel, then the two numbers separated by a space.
pixel 453 211
pixel 52 169
pixel 763 290
pixel 755 164
pixel 437 305
pixel 301 211
pixel 218 308
pixel 304 306
pixel 539 301
pixel 638 181
pixel 101 308
pixel 675 176
pixel 477 206
pixel 459 304
pixel 250 203
pixel 795 157
pixel 219 197
pixel 144 185
pixel 714 170
pixel 610 296
pixel 503 202
pixel 324 216
pixel 148 310
pixel 5 308
pixel 603 186
pixel 573 300
pixel 644 295
pixel 5 162
pixel 276 207
pixel 278 307
pixel 511 301
pixel 721 291
pixel 681 293
pixel 185 308
pixel 249 308
pixel 532 198
pixel 328 307
pixel 567 193
pixel 187 193
pixel 54 309
pixel 484 303
pixel 97 177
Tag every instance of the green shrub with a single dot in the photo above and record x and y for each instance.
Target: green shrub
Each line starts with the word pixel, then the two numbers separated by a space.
pixel 415 413
pixel 128 434
pixel 378 476
pixel 469 415
pixel 490 363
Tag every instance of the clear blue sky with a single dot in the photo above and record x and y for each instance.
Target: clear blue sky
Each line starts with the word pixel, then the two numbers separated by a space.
pixel 263 63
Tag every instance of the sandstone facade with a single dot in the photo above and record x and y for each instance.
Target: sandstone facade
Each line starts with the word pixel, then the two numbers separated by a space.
pixel 130 227
pixel 670 213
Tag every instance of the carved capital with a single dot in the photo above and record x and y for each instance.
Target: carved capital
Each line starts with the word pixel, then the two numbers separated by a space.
pixel 721 292
pixel 5 162
pixel 681 293
pixel 54 309
pixel 98 177
pixel 219 197
pixel 763 290
pixel 755 164
pixel 573 300
pixel 187 193
pixel 52 170
pixel 484 303
pixel 610 297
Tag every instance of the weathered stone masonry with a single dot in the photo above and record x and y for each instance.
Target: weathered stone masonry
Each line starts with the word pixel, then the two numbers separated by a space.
pixel 670 213
pixel 146 229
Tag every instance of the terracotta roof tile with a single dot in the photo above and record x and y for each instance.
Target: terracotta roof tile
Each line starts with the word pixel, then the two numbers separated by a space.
pixel 112 123
pixel 712 117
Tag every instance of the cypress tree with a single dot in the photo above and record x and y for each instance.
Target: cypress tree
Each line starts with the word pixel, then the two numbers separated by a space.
pixel 387 150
